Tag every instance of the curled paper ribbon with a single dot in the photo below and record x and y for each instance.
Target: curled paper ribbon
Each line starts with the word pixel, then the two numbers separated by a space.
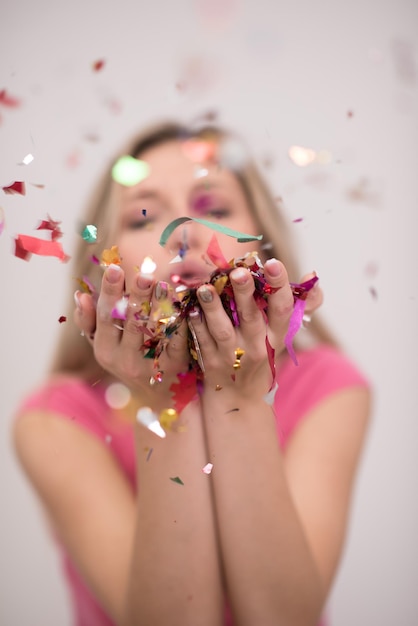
pixel 241 237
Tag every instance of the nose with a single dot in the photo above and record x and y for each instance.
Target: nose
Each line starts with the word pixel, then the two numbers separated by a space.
pixel 189 236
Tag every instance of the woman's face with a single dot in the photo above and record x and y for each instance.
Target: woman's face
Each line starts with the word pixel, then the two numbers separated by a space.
pixel 174 189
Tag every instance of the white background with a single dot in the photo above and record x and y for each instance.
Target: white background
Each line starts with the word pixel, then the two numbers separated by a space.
pixel 339 76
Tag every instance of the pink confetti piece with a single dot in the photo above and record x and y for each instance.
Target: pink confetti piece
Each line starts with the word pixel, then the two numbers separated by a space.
pixel 208 468
pixel 215 254
pixel 2 220
pixel 26 245
pixel 17 187
pixel 7 100
pixel 294 325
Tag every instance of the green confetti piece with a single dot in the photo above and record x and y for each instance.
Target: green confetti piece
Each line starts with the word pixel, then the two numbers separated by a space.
pixel 241 237
pixel 177 480
pixel 89 233
pixel 129 171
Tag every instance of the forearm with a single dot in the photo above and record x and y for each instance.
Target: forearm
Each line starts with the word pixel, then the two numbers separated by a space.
pixel 270 573
pixel 175 576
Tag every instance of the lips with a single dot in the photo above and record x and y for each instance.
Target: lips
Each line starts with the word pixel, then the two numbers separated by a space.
pixel 190 273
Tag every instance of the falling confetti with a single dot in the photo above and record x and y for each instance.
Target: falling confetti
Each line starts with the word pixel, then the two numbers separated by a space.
pixel 148 267
pixel 62 319
pixel 208 468
pixel 111 256
pixel 168 417
pixel 98 65
pixel 89 233
pixel 2 220
pixel 148 418
pixel 129 171
pixel 177 480
pixel 27 159
pixel 17 187
pixel 53 226
pixel 26 245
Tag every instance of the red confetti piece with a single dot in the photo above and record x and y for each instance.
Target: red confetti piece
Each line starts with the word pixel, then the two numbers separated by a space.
pixel 98 65
pixel 62 319
pixel 16 187
pixel 215 254
pixel 51 225
pixel 184 391
pixel 26 245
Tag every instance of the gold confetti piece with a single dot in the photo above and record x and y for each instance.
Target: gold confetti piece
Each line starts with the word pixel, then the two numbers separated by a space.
pixel 111 256
pixel 167 418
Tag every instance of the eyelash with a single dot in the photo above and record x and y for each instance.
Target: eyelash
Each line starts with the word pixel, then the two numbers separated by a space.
pixel 218 213
pixel 139 224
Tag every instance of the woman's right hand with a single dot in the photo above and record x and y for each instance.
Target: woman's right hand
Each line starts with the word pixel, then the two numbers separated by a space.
pixel 117 344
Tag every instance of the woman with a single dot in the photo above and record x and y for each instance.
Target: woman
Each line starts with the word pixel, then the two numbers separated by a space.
pixel 147 537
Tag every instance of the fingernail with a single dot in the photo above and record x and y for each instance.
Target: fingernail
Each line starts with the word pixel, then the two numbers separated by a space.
pixel 161 290
pixel 143 282
pixel 113 273
pixel 274 267
pixel 77 300
pixel 240 276
pixel 205 294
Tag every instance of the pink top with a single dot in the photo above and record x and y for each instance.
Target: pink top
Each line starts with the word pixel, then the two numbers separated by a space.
pixel 321 372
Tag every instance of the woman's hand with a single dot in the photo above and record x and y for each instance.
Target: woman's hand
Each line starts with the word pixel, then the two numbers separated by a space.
pixel 220 341
pixel 117 344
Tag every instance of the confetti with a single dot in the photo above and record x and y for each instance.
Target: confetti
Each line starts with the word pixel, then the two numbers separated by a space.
pixel 62 319
pixel 26 245
pixel 199 150
pixel 8 100
pixel 177 480
pixel 2 220
pixel 168 417
pixel 150 451
pixel 148 267
pixel 241 237
pixel 148 418
pixel 120 309
pixel 89 233
pixel 17 187
pixel 98 65
pixel 208 468
pixel 51 225
pixel 27 159
pixel 129 171
pixel 111 256
pixel 301 156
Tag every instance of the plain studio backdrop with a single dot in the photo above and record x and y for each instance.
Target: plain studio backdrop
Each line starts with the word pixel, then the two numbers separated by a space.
pixel 340 78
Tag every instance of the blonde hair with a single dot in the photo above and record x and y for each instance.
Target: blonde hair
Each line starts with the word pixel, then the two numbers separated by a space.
pixel 74 354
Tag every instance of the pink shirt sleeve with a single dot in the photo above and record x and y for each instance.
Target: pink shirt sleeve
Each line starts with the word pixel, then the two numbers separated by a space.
pixel 321 372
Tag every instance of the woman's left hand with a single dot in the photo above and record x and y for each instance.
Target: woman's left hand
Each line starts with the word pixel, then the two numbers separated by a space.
pixel 219 339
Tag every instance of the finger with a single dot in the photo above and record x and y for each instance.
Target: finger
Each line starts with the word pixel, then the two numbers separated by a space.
pixel 85 314
pixel 250 318
pixel 215 329
pixel 315 296
pixel 107 336
pixel 280 303
pixel 137 313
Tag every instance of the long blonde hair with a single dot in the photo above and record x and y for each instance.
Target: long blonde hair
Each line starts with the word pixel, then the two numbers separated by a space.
pixel 74 354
